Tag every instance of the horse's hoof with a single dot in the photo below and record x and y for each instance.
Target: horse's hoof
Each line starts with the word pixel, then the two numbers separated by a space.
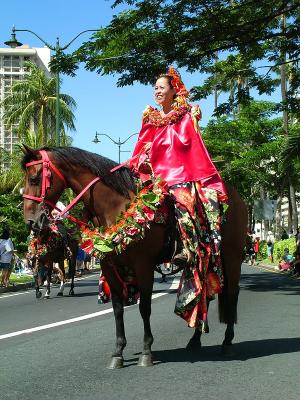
pixel 193 344
pixel 60 294
pixel 38 295
pixel 116 363
pixel 145 360
pixel 47 296
pixel 71 292
pixel 227 350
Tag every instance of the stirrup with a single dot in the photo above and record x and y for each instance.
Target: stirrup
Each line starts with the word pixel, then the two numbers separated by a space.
pixel 183 258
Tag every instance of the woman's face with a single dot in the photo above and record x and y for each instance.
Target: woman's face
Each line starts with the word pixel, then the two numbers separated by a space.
pixel 163 92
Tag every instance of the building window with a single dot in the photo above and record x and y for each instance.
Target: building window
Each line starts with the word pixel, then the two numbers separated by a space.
pixel 11 63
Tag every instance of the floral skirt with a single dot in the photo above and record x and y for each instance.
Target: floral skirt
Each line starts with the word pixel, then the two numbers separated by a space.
pixel 198 211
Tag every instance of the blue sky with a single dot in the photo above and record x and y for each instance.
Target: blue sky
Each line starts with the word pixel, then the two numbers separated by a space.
pixel 101 105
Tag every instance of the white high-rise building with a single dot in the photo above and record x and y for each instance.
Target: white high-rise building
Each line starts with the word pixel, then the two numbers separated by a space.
pixel 12 69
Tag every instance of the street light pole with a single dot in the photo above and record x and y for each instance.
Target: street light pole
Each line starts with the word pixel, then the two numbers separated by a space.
pixel 118 143
pixel 57 103
pixel 57 49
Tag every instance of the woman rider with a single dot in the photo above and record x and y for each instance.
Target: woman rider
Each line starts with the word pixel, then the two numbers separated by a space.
pixel 170 147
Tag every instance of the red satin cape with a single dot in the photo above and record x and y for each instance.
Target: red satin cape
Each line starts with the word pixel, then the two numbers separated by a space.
pixel 178 154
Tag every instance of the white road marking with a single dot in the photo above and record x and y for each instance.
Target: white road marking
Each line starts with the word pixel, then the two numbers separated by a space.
pixel 30 290
pixel 15 294
pixel 173 286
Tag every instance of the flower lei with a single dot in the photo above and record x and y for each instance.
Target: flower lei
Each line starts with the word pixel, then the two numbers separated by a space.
pixel 154 116
pixel 130 226
pixel 40 249
pixel 36 248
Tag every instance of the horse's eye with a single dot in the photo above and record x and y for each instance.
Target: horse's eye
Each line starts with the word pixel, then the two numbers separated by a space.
pixel 34 180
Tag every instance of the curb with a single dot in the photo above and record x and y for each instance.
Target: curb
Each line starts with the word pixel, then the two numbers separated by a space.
pixel 17 287
pixel 274 268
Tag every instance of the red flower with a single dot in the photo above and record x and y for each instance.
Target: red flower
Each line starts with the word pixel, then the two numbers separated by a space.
pixel 149 213
pixel 138 218
pixel 87 246
pixel 132 230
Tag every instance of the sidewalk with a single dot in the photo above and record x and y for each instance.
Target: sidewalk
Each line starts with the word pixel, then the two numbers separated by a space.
pixel 274 268
pixel 29 285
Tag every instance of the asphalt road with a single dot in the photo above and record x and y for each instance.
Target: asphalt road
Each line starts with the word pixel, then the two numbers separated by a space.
pixel 48 351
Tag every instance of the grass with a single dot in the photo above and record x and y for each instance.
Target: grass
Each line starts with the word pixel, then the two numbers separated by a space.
pixel 17 278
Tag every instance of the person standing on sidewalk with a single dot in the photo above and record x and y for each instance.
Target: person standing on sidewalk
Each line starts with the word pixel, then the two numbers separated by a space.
pixel 270 245
pixel 6 254
pixel 256 249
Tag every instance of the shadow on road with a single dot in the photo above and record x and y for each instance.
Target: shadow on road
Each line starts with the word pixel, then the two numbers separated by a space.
pixel 262 282
pixel 242 351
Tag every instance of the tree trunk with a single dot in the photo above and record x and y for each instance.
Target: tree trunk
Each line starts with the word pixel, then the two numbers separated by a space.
pixel 278 219
pixel 293 216
pixel 294 213
pixel 290 213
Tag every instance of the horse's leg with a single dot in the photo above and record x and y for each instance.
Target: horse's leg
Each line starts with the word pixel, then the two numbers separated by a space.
pixel 49 273
pixel 72 267
pixel 145 278
pixel 117 360
pixel 35 269
pixel 62 278
pixel 232 248
pixel 228 300
pixel 38 293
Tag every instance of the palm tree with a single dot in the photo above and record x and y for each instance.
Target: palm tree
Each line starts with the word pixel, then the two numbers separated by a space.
pixel 32 104
pixel 291 149
pixel 11 173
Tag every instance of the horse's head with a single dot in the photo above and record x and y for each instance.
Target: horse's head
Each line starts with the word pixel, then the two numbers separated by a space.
pixel 44 185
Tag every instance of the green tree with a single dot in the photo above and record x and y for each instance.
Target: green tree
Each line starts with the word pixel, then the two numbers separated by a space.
pixel 11 173
pixel 32 105
pixel 11 215
pixel 246 150
pixel 141 41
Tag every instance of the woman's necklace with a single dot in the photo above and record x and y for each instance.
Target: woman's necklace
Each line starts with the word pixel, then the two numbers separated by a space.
pixel 155 118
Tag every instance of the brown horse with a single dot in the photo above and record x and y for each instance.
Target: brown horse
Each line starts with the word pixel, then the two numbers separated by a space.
pixel 106 199
pixel 43 265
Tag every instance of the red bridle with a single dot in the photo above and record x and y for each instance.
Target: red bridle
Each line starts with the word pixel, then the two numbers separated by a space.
pixel 46 175
pixel 46 184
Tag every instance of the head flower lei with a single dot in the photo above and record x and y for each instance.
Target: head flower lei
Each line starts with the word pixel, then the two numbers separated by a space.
pixel 182 93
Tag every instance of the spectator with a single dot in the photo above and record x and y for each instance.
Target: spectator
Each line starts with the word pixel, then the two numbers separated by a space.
pixel 79 261
pixel 286 260
pixel 270 245
pixel 87 261
pixel 249 249
pixel 6 254
pixel 256 248
pixel 284 235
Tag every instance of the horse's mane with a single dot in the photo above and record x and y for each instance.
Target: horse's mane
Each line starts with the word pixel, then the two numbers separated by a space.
pixel 121 180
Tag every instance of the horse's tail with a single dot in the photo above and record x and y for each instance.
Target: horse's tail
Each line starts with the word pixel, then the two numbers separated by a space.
pixel 228 305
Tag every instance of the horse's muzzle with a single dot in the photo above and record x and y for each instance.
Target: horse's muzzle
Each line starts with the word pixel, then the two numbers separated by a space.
pixel 40 223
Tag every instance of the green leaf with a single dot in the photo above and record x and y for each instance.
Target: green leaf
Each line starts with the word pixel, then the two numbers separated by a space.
pixel 150 197
pixel 103 248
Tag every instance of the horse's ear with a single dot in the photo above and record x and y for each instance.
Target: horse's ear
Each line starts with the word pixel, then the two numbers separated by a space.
pixel 27 150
